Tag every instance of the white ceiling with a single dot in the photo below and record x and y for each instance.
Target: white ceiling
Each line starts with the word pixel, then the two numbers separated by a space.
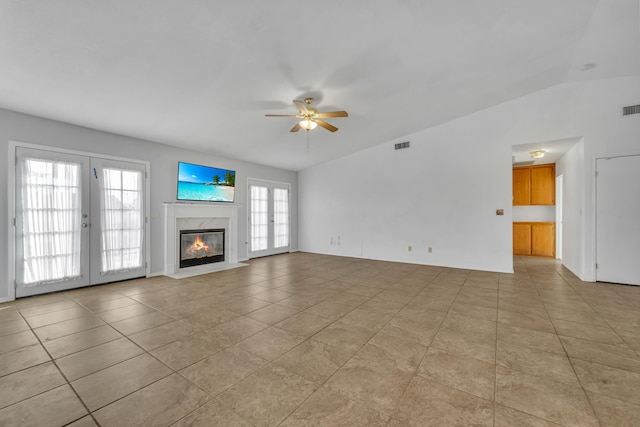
pixel 201 74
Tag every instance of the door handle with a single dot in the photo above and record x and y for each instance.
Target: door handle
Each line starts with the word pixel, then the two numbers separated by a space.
pixel 85 225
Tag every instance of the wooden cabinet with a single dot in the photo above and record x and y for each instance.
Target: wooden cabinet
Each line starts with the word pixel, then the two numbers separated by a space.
pixel 534 185
pixel 534 239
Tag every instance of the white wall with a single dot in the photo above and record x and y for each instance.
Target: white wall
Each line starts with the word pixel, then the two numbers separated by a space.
pixel 571 167
pixel 444 190
pixel 29 129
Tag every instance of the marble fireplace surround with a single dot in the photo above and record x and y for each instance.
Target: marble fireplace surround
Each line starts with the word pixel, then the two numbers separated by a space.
pixel 191 216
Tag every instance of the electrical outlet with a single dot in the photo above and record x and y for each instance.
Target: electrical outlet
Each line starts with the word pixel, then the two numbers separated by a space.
pixel 429 249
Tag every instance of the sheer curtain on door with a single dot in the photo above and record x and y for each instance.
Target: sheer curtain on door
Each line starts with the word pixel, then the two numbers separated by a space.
pixel 51 212
pixel 121 219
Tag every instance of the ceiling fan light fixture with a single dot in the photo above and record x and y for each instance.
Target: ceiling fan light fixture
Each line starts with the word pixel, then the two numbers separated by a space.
pixel 537 154
pixel 307 124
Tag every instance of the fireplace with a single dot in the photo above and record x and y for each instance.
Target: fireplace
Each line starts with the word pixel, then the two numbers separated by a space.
pixel 198 247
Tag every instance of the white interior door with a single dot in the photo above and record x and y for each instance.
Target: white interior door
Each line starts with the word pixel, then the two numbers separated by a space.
pixel 79 221
pixel 618 220
pixel 269 218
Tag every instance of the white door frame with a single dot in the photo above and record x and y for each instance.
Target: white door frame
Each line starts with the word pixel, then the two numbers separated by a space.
pixel 267 183
pixel 11 204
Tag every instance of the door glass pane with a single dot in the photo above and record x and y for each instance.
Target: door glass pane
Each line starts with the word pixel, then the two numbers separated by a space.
pixel 51 218
pixel 259 218
pixel 280 218
pixel 121 215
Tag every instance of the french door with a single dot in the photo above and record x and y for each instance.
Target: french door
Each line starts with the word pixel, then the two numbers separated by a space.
pixel 80 221
pixel 269 218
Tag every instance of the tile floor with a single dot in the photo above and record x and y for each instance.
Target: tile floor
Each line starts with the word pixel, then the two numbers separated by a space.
pixel 303 339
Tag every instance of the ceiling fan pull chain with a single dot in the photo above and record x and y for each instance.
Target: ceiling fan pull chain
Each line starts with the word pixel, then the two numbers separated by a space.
pixel 307 141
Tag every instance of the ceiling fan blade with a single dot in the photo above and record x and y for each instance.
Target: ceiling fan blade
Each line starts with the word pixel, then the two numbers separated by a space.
pixel 332 114
pixel 296 128
pixel 326 125
pixel 280 115
pixel 301 106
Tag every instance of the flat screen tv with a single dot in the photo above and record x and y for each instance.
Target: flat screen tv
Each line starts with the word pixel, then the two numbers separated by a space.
pixel 205 183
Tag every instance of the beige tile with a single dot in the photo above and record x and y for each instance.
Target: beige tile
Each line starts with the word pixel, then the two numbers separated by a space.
pixel 539 323
pixel 313 360
pixel 587 332
pixel 132 310
pixel 378 305
pixel 99 304
pixel 605 380
pixel 21 358
pixel 531 338
pixel 246 305
pixel 345 336
pixel 365 291
pixel 103 387
pixel 272 295
pixel 222 370
pixel 161 335
pixel 550 366
pixel 394 351
pixel 80 341
pixel 51 307
pixel 271 343
pixel 349 299
pixel 377 384
pixel 268 396
pixel 55 407
pixel 13 326
pixel 551 400
pixel 159 404
pixel 467 337
pixel 28 383
pixel 462 373
pixel 631 339
pixel 188 350
pixel 605 354
pixel 366 319
pixel 213 414
pixel 44 319
pixel 431 304
pixel 328 408
pixel 207 319
pixel 17 340
pixel 304 324
pixel 613 412
pixel 427 403
pixel 272 314
pixel 86 362
pixel 141 323
pixel 476 311
pixel 508 417
pixel 68 327
pixel 83 422
pixel 411 331
pixel 328 309
pixel 238 329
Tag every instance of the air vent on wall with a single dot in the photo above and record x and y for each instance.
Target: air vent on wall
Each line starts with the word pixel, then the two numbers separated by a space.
pixel 401 145
pixel 631 109
pixel 527 163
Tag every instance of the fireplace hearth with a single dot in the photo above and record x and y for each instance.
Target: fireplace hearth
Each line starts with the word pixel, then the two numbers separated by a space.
pixel 198 247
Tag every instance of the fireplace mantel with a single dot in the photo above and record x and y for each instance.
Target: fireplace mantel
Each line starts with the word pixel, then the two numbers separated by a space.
pixel 177 213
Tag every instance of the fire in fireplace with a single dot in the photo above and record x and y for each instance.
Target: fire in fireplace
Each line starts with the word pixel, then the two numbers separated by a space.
pixel 199 247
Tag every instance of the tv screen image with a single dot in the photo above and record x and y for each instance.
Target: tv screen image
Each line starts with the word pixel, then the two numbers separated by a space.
pixel 205 183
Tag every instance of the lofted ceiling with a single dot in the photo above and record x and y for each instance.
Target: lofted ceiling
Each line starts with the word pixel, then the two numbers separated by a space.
pixel 201 74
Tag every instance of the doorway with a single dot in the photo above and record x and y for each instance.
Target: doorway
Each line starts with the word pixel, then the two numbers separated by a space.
pixel 559 201
pixel 79 220
pixel 269 218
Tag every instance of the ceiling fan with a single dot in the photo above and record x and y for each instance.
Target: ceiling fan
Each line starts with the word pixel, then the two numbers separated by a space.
pixel 310 116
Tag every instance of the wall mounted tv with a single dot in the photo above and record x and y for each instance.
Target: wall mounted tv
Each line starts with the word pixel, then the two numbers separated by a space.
pixel 205 183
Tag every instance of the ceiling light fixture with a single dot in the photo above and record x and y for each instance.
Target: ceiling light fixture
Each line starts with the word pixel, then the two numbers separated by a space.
pixel 307 124
pixel 537 154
